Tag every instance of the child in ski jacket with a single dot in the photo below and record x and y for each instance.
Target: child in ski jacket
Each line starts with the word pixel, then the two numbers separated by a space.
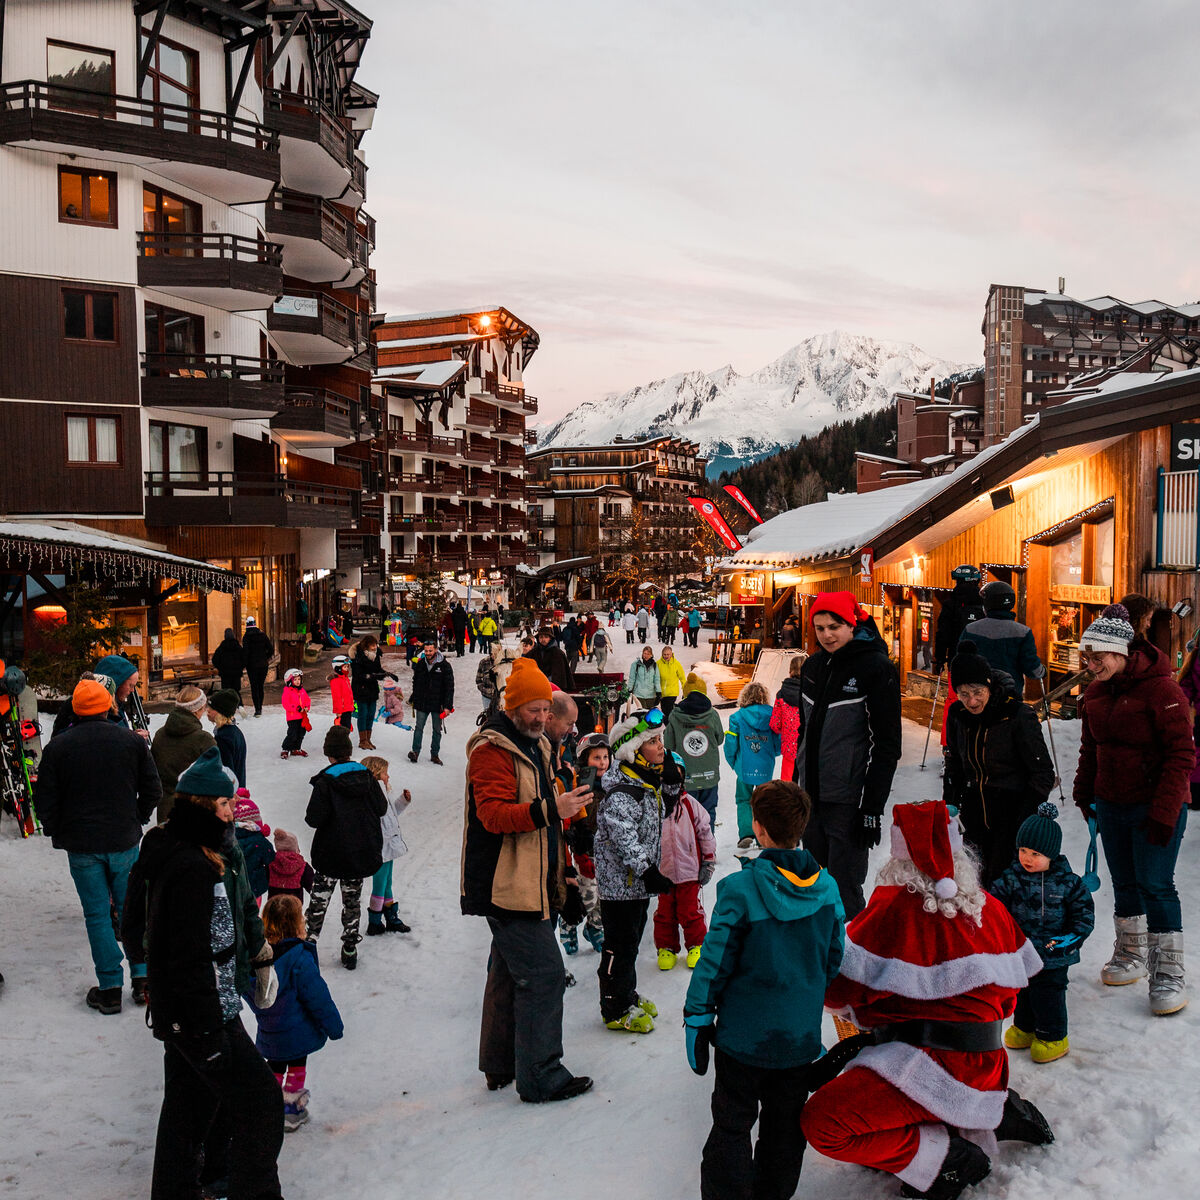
pixel 687 856
pixel 296 704
pixel 382 916
pixel 391 710
pixel 785 717
pixel 751 748
pixel 252 833
pixel 579 832
pixel 303 1017
pixel 289 873
pixel 341 693
pixel 694 730
pixel 1055 911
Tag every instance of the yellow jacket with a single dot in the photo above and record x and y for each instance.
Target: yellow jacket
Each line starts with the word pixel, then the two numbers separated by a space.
pixel 671 676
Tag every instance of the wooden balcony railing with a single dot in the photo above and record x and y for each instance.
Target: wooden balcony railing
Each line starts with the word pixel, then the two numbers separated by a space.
pixel 229 247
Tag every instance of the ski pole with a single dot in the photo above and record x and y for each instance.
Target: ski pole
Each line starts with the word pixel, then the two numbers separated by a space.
pixel 937 687
pixel 1050 727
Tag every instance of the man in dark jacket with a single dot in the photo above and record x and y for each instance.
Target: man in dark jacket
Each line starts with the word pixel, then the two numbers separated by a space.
pixel 572 643
pixel 96 788
pixel 959 609
pixel 180 741
pixel 257 649
pixel 513 867
pixel 1002 639
pixel 432 696
pixel 458 618
pixel 229 661
pixel 344 809
pixel 849 741
pixel 551 661
pixel 124 676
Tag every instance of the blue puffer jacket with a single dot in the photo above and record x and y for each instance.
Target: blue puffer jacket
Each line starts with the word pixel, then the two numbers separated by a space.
pixel 304 1015
pixel 259 855
pixel 751 745
pixel 1048 905
pixel 774 945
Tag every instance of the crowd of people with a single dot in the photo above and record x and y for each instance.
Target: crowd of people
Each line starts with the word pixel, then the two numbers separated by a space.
pixel 570 826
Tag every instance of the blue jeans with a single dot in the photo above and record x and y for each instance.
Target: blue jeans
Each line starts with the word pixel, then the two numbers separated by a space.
pixel 435 742
pixel 1143 875
pixel 100 880
pixel 366 717
pixel 707 799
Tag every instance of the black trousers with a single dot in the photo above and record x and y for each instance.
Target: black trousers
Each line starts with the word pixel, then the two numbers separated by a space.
pixel 258 679
pixel 624 923
pixel 1042 1005
pixel 232 683
pixel 629 637
pixel 742 1095
pixel 294 738
pixel 193 1095
pixel 832 839
pixel 459 641
pixel 993 838
pixel 666 703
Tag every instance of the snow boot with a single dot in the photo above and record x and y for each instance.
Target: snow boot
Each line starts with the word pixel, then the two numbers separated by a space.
pixel 1047 1052
pixel 1128 962
pixel 374 923
pixel 1023 1122
pixel 364 742
pixel 139 989
pixel 649 1009
pixel 575 1086
pixel 1168 989
pixel 391 919
pixel 299 753
pixel 569 936
pixel 104 1000
pixel 413 756
pixel 497 1082
pixel 595 937
pixel 633 1020
pixel 285 754
pixel 295 1110
pixel 350 954
pixel 667 959
pixel 1018 1039
pixel 693 957
pixel 965 1165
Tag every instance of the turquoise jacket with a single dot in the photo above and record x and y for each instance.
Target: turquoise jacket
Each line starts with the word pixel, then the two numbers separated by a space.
pixel 751 745
pixel 774 945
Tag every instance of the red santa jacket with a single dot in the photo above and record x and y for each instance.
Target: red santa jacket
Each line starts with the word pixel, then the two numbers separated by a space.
pixel 903 964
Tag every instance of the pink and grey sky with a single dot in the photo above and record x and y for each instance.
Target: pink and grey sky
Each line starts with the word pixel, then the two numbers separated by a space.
pixel 660 186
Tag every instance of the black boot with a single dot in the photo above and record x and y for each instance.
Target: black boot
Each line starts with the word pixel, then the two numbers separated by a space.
pixel 1023 1122
pixel 105 1000
pixel 965 1165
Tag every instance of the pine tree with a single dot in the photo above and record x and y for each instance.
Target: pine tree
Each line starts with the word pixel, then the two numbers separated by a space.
pixel 88 633
pixel 427 598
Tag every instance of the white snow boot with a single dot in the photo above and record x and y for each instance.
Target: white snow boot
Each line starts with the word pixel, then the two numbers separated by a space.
pixel 1168 989
pixel 1128 962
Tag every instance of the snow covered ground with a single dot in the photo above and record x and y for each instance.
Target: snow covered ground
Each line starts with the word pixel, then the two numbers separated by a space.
pixel 399 1109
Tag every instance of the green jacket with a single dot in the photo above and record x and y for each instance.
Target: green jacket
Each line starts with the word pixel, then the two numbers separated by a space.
pixel 694 732
pixel 774 945
pixel 177 745
pixel 671 618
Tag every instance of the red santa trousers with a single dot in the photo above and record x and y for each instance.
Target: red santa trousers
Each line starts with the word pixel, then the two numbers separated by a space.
pixel 680 906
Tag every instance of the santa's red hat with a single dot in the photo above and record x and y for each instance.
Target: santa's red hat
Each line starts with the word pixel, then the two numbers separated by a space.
pixel 925 834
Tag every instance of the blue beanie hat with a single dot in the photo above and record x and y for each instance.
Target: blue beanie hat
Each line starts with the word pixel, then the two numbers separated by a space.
pixel 207 776
pixel 1042 832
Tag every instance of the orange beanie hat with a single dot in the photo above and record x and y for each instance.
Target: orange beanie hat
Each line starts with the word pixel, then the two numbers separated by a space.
pixel 90 699
pixel 525 685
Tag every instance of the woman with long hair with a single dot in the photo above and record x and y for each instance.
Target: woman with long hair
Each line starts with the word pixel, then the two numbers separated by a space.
pixel 366 670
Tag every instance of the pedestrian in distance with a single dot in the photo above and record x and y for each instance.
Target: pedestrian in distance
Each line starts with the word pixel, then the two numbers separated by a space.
pixel 751 748
pixel 345 810
pixel 695 620
pixel 489 631
pixel 643 624
pixel 551 660
pixel 600 647
pixel 671 678
pixel 432 695
pixel 458 618
pixel 296 706
pixel 1000 638
pixel 257 650
pixel 223 707
pixel 179 742
pixel 229 662
pixel 670 624
pixel 629 625
pixel 786 715
pixel 366 670
pixel 302 1017
pixel 382 916
pixel 642 679
pixel 694 731
pixel 572 643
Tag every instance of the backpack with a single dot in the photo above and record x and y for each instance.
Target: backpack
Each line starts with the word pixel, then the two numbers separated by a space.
pixel 599 640
pixel 485 678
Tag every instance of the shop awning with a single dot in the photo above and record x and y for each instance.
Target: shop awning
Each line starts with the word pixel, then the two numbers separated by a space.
pixel 59 545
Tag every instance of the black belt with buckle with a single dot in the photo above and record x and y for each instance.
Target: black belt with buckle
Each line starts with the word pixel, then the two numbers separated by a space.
pixel 974 1037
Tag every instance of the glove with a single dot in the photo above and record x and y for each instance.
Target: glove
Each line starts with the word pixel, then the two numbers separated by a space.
pixel 1158 833
pixel 1063 943
pixel 1088 810
pixel 708 869
pixel 698 1033
pixel 871 830
pixel 656 882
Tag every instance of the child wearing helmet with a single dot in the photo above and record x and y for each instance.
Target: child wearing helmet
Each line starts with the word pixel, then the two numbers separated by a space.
pixel 340 691
pixel 296 704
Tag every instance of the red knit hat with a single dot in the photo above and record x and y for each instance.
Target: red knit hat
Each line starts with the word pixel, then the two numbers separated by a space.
pixel 925 834
pixel 841 604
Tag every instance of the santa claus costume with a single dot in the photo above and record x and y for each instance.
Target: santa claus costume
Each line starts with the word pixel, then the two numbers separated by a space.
pixel 932 967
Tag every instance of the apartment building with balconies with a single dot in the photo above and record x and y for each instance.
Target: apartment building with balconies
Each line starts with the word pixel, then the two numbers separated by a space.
pixel 452 442
pixel 184 269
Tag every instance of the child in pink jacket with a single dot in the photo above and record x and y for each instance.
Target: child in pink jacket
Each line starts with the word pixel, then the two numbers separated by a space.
pixel 688 858
pixel 340 693
pixel 786 717
pixel 295 708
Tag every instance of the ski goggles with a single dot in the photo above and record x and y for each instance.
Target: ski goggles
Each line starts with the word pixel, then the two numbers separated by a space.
pixel 651 722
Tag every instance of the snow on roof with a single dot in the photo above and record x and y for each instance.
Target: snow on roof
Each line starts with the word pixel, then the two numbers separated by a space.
pixel 449 339
pixel 934 459
pixel 1125 382
pixel 1104 303
pixel 444 315
pixel 883 458
pixel 432 374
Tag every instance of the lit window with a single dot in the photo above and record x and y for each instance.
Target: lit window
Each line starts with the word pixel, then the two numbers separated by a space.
pixel 87 197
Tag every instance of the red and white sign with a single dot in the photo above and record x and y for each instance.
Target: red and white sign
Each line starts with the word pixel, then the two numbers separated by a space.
pixel 709 511
pixel 867 565
pixel 739 496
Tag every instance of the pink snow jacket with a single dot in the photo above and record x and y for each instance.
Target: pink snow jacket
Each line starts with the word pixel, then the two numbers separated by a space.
pixel 687 841
pixel 295 701
pixel 341 695
pixel 392 706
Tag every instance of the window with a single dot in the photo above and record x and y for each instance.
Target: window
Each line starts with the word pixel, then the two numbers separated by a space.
pixel 166 214
pixel 89 316
pixel 177 450
pixel 87 197
pixel 171 332
pixel 86 71
pixel 94 440
pixel 172 79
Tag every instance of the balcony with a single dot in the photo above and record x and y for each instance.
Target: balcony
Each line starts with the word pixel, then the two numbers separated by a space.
pixel 224 270
pixel 425 523
pixel 310 327
pixel 531 437
pixel 508 426
pixel 477 454
pixel 228 385
pixel 319 243
pixel 316 148
pixel 510 395
pixel 414 483
pixel 316 417
pixel 478 416
pixel 246 498
pixel 357 192
pixel 228 158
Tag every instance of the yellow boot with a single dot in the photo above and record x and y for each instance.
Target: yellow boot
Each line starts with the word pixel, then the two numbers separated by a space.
pixel 1048 1052
pixel 1018 1039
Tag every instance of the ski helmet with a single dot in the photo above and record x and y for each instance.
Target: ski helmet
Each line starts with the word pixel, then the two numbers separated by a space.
pixel 998 596
pixel 292 674
pixel 12 683
pixel 340 662
pixel 966 574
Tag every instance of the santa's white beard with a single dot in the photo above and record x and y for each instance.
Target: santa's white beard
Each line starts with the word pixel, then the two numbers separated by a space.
pixel 903 872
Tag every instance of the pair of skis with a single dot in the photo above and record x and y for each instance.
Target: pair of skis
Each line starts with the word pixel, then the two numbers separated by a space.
pixel 16 787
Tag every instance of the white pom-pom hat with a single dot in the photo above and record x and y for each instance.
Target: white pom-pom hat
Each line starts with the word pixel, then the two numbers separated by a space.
pixel 925 834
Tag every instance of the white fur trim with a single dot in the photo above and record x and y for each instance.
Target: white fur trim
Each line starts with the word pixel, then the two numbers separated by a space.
pixel 950 978
pixel 911 1071
pixel 945 889
pixel 932 1147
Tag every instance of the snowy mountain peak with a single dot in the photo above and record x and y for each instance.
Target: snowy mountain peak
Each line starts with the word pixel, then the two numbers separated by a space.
pixel 740 418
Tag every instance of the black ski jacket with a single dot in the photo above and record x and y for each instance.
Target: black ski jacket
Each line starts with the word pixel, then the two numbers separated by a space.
pixel 959 609
pixel 344 809
pixel 432 686
pixel 257 649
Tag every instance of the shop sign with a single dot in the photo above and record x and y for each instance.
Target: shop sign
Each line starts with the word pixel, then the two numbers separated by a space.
pixel 1082 593
pixel 1185 447
pixel 495 575
pixel 866 565
pixel 926 609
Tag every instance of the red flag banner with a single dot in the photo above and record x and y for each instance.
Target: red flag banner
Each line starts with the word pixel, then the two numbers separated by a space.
pixel 709 511
pixel 739 496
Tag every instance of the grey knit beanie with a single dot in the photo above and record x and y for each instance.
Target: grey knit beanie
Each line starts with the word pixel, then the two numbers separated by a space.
pixel 1110 633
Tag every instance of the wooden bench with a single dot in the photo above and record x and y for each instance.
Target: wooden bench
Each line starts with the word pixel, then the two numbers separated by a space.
pixel 729 648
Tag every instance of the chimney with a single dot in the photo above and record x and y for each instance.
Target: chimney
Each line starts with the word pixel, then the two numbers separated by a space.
pixel 1062 284
pixel 932 386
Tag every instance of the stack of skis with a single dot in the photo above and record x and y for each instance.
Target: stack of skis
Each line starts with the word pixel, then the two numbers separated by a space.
pixel 16 788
